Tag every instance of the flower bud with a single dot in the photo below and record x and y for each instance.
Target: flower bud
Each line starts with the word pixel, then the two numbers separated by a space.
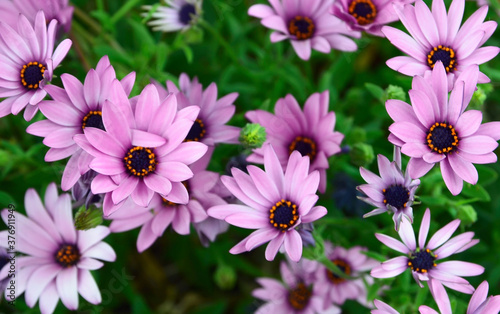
pixel 253 135
pixel 86 219
pixel 361 154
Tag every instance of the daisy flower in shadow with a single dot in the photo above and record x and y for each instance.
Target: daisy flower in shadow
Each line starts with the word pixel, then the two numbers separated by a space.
pixel 479 302
pixel 58 257
pixel 352 262
pixel 175 16
pixel 74 108
pixel 307 25
pixel 309 131
pixel 437 36
pixel 299 294
pixel 435 129
pixel 423 258
pixel 210 126
pixel 393 191
pixel 27 59
pixel 276 203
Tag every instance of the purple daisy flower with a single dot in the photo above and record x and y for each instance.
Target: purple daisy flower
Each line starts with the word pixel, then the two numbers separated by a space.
pixel 275 204
pixel 141 152
pixel 367 15
pixel 437 36
pixel 178 15
pixel 307 26
pixel 309 132
pixel 479 302
pixel 210 126
pixel 58 257
pixel 298 295
pixel 383 308
pixel 53 9
pixel 74 108
pixel 161 213
pixel 436 129
pixel 27 59
pixel 353 263
pixel 422 259
pixel 393 191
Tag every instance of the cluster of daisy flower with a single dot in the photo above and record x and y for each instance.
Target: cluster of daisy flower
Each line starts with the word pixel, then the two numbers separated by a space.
pixel 144 158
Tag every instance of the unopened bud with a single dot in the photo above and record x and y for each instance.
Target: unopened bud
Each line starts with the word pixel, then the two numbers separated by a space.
pixel 86 219
pixel 467 214
pixel 225 277
pixel 253 135
pixel 395 92
pixel 361 154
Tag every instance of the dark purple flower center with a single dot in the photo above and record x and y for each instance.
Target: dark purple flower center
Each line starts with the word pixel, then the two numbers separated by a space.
pixel 68 255
pixel 301 27
pixel 442 138
pixel 422 260
pixel 4 259
pixel 94 120
pixel 186 13
pixel 444 54
pixel 283 215
pixel 32 74
pixel 364 11
pixel 343 266
pixel 197 132
pixel 140 161
pixel 305 146
pixel 396 195
pixel 299 296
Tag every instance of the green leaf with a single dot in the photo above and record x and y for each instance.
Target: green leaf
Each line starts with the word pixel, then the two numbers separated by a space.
pixel 376 91
pixel 476 191
pixel 188 53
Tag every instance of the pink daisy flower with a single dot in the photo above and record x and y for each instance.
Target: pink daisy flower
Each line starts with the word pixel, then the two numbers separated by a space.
pixel 307 26
pixel 309 132
pixel 367 15
pixel 27 59
pixel 59 10
pixel 276 203
pixel 162 213
pixel 393 191
pixel 58 257
pixel 141 152
pixel 479 302
pixel 177 15
pixel 74 108
pixel 298 295
pixel 437 36
pixel 422 259
pixel 436 129
pixel 352 262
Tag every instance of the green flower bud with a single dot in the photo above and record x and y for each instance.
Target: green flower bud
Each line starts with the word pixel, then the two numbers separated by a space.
pixel 467 214
pixel 253 135
pixel 479 96
pixel 395 92
pixel 361 154
pixel 357 135
pixel 225 277
pixel 86 219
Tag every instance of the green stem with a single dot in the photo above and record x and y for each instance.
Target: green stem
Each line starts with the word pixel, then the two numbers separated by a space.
pixel 124 10
pixel 80 14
